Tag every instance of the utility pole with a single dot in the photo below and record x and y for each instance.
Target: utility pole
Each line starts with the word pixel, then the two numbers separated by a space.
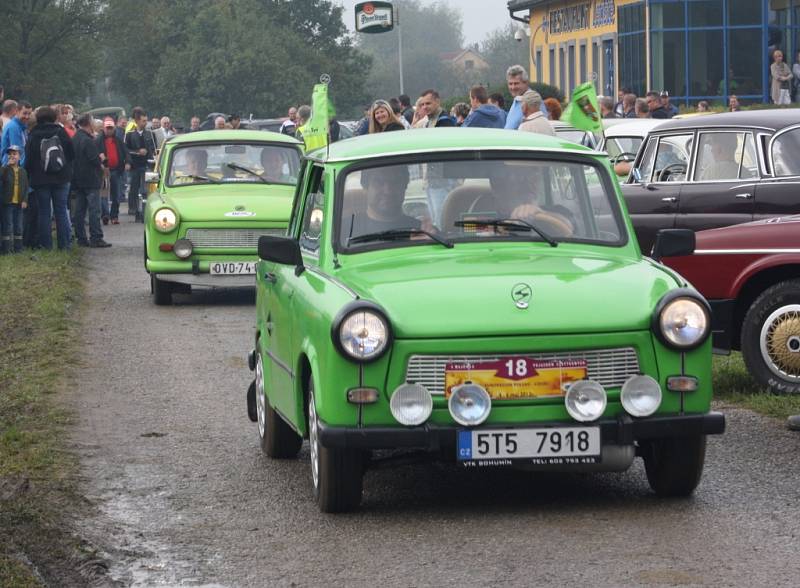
pixel 399 46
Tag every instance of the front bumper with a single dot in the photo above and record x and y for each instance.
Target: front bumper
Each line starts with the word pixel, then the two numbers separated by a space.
pixel 210 281
pixel 623 430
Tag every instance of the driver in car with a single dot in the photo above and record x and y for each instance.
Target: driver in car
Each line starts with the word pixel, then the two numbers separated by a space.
pixel 272 162
pixel 516 197
pixel 385 189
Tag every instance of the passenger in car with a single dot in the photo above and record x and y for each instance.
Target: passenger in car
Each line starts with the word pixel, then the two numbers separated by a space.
pixel 721 163
pixel 272 162
pixel 517 197
pixel 385 190
pixel 196 166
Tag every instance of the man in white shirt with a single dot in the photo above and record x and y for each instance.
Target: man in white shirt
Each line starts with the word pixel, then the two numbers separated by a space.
pixel 533 120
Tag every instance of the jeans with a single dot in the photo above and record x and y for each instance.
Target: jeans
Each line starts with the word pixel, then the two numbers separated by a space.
pixel 137 185
pixel 51 200
pixel 117 186
pixel 87 199
pixel 30 223
pixel 10 228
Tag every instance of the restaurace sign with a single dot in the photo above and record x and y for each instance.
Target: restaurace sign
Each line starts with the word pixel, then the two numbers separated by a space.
pixel 374 17
pixel 577 17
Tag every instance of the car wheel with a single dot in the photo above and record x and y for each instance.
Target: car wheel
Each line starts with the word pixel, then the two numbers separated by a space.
pixel 337 474
pixel 278 440
pixel 162 291
pixel 771 338
pixel 674 465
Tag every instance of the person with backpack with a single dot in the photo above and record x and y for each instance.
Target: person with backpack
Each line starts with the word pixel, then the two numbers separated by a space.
pixel 49 154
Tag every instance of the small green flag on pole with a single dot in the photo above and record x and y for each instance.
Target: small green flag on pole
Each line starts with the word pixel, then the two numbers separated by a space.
pixel 315 133
pixel 583 112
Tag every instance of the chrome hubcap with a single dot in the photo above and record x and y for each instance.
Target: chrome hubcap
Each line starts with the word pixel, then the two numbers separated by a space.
pixel 780 342
pixel 261 401
pixel 313 440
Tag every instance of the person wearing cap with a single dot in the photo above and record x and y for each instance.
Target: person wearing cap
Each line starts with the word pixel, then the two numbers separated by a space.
pixel 533 121
pixel 656 106
pixel 671 109
pixel 115 156
pixel 13 200
pixel 87 179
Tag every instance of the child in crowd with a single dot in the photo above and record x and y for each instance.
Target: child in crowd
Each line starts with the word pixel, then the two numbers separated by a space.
pixel 13 200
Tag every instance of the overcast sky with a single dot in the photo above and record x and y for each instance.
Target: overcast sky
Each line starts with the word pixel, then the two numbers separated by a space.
pixel 480 16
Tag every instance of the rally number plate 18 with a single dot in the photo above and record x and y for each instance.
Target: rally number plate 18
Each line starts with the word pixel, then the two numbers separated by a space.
pixel 550 446
pixel 232 268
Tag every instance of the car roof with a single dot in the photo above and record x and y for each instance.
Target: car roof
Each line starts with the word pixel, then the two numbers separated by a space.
pixel 445 140
pixel 772 119
pixel 243 135
pixel 634 127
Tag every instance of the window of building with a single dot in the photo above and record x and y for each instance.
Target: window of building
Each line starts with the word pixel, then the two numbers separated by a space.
pixel 469 64
pixel 669 15
pixel 596 66
pixel 668 69
pixel 745 66
pixel 705 13
pixel 741 12
pixel 571 67
pixel 539 64
pixel 553 81
pixel 582 63
pixel 562 70
pixel 631 48
pixel 706 67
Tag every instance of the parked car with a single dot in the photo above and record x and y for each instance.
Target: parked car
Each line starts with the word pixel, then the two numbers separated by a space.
pixel 750 274
pixel 215 193
pixel 710 171
pixel 521 328
pixel 263 124
pixel 566 131
pixel 622 139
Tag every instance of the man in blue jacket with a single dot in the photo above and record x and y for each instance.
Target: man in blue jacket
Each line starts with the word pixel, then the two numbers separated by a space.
pixel 483 114
pixel 16 132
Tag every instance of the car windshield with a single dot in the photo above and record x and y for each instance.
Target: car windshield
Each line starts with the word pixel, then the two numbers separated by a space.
pixel 477 200
pixel 627 147
pixel 233 162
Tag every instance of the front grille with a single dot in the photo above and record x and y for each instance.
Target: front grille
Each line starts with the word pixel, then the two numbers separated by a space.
pixel 608 367
pixel 230 238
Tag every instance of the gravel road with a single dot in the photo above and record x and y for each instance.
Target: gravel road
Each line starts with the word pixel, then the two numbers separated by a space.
pixel 184 497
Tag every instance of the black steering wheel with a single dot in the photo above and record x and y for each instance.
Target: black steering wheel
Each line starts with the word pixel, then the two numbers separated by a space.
pixel 626 156
pixel 670 170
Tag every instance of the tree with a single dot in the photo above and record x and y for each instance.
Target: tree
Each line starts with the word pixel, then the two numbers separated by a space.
pixel 49 49
pixel 501 50
pixel 427 33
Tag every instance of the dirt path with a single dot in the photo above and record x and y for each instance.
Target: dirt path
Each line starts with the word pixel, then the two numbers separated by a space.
pixel 185 497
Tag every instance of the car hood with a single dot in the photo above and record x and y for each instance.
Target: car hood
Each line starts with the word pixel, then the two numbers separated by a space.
pixel 230 202
pixel 470 294
pixel 779 232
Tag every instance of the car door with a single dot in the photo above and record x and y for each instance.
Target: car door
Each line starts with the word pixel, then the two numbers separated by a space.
pixel 653 193
pixel 285 285
pixel 723 184
pixel 778 195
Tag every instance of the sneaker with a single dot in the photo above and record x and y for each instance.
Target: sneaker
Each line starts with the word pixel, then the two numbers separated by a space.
pixel 105 219
pixel 114 221
pixel 99 244
pixel 82 243
pixel 793 422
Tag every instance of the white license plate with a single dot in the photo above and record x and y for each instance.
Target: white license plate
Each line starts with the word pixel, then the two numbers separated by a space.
pixel 232 268
pixel 558 445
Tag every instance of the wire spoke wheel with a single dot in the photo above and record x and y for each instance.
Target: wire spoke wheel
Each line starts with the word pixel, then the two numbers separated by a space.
pixel 780 342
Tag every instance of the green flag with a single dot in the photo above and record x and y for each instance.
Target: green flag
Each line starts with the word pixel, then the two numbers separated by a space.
pixel 583 112
pixel 315 131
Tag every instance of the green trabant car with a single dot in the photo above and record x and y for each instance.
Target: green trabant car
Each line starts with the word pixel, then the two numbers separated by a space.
pixel 217 192
pixel 475 296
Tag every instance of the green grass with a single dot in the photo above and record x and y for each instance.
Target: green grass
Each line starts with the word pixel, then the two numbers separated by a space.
pixel 733 384
pixel 38 317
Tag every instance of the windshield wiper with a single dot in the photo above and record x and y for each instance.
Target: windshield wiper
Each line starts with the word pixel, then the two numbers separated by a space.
pixel 393 234
pixel 202 178
pixel 248 170
pixel 512 224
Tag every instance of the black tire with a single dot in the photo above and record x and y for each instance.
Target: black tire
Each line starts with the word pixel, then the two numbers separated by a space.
pixel 674 465
pixel 336 474
pixel 162 291
pixel 278 440
pixel 771 338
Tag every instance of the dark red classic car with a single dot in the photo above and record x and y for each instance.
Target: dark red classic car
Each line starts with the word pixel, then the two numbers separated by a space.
pixel 709 171
pixel 750 274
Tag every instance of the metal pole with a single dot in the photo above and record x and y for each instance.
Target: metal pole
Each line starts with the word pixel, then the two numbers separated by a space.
pixel 399 46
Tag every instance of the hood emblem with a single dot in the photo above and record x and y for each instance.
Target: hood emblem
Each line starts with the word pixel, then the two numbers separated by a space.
pixel 239 211
pixel 521 294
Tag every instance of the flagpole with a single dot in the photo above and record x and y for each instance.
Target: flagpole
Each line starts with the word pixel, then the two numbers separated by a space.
pixel 399 45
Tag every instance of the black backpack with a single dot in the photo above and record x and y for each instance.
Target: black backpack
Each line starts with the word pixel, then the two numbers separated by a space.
pixel 52 155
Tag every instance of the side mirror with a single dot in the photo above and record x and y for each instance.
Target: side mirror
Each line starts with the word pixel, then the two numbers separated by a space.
pixel 152 177
pixel 672 243
pixel 283 250
pixel 637 175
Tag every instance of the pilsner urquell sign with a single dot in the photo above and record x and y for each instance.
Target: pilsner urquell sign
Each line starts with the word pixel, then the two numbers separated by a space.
pixel 374 17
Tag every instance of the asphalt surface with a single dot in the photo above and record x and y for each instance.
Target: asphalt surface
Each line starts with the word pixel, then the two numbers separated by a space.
pixel 184 497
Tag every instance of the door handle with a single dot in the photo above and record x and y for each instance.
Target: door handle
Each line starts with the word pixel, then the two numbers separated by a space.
pixel 669 199
pixel 270 277
pixel 744 196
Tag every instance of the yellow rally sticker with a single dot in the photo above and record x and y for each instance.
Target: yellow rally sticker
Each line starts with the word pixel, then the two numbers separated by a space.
pixel 516 377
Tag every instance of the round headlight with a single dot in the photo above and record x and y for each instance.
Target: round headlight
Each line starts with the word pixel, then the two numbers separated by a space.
pixel 470 404
pixel 640 396
pixel 411 404
pixel 182 248
pixel 684 322
pixel 585 400
pixel 165 219
pixel 364 335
